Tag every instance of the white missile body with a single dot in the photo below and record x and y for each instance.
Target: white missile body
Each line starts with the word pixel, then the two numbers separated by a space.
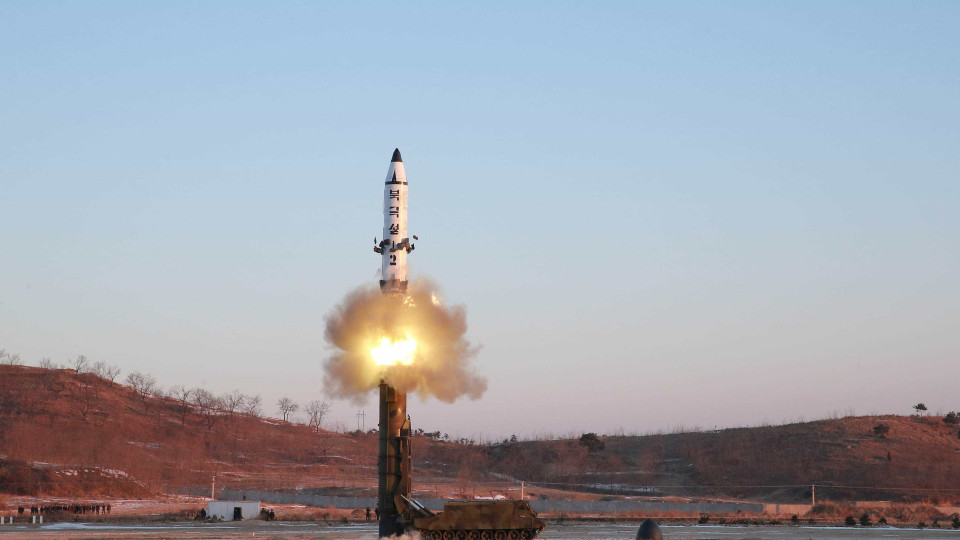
pixel 395 245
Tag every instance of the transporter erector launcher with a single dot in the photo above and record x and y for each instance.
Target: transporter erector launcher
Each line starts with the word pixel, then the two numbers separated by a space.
pixel 395 245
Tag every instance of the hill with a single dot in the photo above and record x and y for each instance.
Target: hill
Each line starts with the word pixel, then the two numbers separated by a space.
pixel 918 458
pixel 55 420
pixel 72 434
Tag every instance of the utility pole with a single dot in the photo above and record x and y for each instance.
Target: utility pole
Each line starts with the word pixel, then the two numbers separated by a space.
pixel 521 490
pixel 213 488
pixel 361 421
pixel 813 495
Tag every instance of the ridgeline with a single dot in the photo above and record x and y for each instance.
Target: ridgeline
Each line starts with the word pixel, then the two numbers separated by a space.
pixel 69 434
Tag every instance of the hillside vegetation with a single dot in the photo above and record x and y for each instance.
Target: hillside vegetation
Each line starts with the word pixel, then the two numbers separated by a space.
pixel 64 433
pixel 918 458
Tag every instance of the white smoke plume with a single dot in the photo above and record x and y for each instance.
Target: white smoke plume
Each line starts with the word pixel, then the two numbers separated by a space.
pixel 441 367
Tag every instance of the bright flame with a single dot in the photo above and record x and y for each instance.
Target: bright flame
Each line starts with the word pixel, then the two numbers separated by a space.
pixel 392 353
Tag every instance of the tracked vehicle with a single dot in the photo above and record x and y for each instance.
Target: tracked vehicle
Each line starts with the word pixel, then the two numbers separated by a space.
pixel 475 520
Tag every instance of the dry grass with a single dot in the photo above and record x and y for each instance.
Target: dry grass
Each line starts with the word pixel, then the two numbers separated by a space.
pixel 56 421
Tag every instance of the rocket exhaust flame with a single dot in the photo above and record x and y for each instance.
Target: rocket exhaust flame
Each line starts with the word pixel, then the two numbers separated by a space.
pixel 412 343
pixel 392 353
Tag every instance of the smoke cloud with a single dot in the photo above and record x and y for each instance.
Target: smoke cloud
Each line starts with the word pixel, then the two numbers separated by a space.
pixel 441 367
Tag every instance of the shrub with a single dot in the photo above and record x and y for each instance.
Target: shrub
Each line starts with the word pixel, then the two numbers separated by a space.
pixel 951 419
pixel 703 519
pixel 794 519
pixel 881 430
pixel 922 524
pixel 850 521
pixel 592 442
pixel 956 522
pixel 865 520
pixel 882 521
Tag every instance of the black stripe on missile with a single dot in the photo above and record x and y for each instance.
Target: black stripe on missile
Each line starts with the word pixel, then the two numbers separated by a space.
pixel 394 182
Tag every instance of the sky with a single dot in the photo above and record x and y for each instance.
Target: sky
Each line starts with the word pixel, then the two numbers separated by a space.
pixel 658 216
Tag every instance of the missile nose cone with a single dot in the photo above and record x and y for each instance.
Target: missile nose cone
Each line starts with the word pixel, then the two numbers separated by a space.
pixel 649 530
pixel 396 155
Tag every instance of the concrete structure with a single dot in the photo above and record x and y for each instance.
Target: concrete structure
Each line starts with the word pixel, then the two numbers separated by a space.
pixel 233 510
pixel 775 509
pixel 586 507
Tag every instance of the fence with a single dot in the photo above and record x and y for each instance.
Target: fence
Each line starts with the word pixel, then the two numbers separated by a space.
pixel 581 507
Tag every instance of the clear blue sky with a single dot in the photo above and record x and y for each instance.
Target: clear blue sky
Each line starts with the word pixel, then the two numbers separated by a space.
pixel 657 215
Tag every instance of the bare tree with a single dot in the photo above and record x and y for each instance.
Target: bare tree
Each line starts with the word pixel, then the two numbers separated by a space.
pixel 80 364
pixel 287 406
pixel 233 401
pixel 571 457
pixel 51 380
pixel 182 396
pixel 105 371
pixel 316 410
pixel 47 363
pixel 207 405
pixel 85 396
pixel 326 444
pixel 8 359
pixel 159 392
pixel 231 404
pixel 144 386
pixel 253 406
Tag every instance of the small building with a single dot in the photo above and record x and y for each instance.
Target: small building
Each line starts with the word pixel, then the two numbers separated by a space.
pixel 233 510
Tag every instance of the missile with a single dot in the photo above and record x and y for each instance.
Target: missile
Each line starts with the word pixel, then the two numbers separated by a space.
pixel 393 463
pixel 395 246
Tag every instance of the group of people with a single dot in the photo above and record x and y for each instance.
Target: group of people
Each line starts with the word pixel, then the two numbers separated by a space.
pixel 74 508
